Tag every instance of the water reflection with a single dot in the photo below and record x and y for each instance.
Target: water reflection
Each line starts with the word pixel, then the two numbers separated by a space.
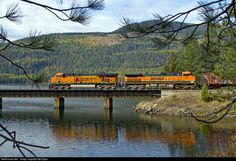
pixel 87 129
pixel 193 138
pixel 134 134
pixel 182 136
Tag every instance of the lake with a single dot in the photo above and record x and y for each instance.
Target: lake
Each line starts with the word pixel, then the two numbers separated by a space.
pixel 85 129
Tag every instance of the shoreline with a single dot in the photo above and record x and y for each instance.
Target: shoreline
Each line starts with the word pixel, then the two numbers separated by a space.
pixel 181 104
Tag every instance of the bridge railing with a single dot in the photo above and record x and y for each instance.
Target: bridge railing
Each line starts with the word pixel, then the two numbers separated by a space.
pixel 80 93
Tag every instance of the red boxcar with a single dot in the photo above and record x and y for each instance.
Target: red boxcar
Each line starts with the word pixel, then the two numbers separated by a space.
pixel 213 81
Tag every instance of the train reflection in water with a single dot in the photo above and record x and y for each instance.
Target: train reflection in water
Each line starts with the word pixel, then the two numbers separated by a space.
pixel 162 131
pixel 179 137
pixel 105 132
pixel 182 138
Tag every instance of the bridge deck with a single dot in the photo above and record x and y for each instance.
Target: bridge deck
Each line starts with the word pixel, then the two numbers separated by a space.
pixel 83 93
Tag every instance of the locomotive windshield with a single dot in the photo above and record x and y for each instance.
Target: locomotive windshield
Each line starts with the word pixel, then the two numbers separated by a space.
pixel 187 74
pixel 59 75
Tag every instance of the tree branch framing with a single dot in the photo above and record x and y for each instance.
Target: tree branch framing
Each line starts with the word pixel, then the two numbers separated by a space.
pixel 212 16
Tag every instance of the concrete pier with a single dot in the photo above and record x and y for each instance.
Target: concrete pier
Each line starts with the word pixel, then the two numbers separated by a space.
pixel 108 116
pixel 108 103
pixel 59 103
pixel 58 115
pixel 0 103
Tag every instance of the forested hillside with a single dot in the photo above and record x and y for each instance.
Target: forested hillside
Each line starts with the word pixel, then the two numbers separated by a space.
pixel 87 53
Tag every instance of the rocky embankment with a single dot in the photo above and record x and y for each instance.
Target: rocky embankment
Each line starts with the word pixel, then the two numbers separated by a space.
pixel 181 103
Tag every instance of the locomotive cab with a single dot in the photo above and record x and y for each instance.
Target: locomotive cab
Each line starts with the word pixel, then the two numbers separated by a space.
pixel 59 75
pixel 187 73
pixel 56 80
pixel 186 81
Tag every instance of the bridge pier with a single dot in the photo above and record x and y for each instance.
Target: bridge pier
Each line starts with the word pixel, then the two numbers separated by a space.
pixel 0 103
pixel 108 103
pixel 108 116
pixel 59 103
pixel 58 115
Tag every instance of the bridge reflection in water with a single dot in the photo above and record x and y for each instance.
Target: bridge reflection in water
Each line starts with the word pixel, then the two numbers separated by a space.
pixel 108 130
pixel 95 130
pixel 162 131
pixel 179 135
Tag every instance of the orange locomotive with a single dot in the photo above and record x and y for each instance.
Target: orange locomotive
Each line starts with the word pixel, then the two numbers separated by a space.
pixel 67 81
pixel 184 81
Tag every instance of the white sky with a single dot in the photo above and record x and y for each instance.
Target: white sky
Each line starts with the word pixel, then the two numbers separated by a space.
pixel 107 20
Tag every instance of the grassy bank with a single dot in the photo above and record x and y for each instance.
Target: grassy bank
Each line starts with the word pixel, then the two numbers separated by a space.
pixel 181 104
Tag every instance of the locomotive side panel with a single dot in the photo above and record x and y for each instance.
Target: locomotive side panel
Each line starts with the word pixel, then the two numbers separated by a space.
pixel 61 80
pixel 133 80
pixel 109 80
pixel 185 80
pixel 87 79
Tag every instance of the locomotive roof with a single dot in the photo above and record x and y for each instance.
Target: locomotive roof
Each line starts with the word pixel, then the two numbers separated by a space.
pixel 97 74
pixel 162 74
pixel 133 75
pixel 170 74
pixel 107 74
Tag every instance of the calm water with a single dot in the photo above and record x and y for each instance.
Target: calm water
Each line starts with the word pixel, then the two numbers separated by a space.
pixel 84 129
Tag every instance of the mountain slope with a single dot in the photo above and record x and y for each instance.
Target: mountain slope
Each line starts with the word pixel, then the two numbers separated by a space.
pixel 87 53
pixel 176 25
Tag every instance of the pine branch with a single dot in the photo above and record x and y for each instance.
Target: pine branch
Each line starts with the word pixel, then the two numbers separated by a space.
pixel 212 13
pixel 14 13
pixel 210 120
pixel 75 13
pixel 20 145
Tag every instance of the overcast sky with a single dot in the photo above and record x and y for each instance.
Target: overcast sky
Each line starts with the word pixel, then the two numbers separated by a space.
pixel 107 20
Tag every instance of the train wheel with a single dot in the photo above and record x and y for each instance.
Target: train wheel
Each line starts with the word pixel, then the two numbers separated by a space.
pixel 193 87
pixel 98 86
pixel 51 87
pixel 174 86
pixel 177 87
pixel 55 87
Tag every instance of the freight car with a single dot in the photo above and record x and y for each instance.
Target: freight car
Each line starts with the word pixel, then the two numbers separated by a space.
pixel 213 81
pixel 185 80
pixel 67 81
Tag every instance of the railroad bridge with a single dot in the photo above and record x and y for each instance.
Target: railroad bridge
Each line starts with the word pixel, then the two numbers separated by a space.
pixel 60 95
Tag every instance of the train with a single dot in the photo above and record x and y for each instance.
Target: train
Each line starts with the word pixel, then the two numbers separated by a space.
pixel 183 80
